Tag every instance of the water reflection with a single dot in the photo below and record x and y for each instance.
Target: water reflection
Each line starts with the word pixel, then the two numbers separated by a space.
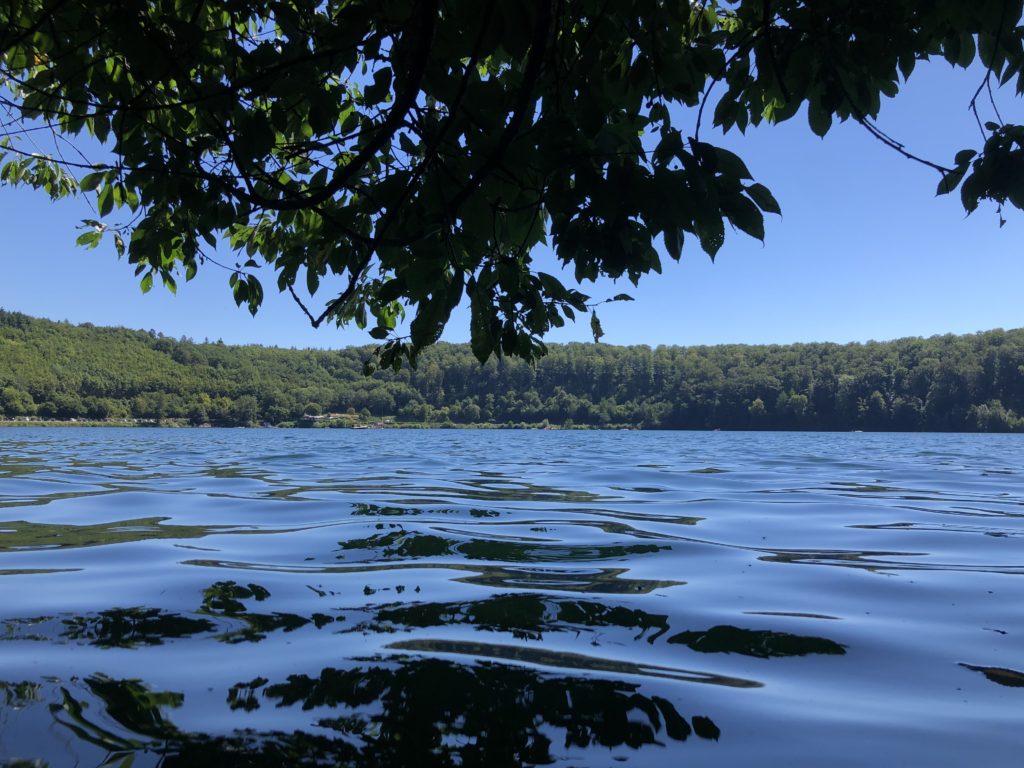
pixel 596 580
pixel 230 612
pixel 561 660
pixel 763 644
pixel 417 712
pixel 482 713
pixel 404 544
pixel 607 581
pixel 20 695
pixel 999 675
pixel 224 599
pixel 882 561
pixel 525 615
pixel 20 535
pixel 113 628
pixel 132 627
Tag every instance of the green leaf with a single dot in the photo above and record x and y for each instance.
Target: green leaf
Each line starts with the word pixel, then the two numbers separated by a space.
pixel 89 239
pixel 967 50
pixel 595 327
pixel 730 164
pixel 746 216
pixel 90 181
pixel 105 200
pixel 907 64
pixel 147 282
pixel 951 48
pixel 965 156
pixel 950 181
pixel 376 92
pixel 725 113
pixel 711 233
pixel 764 198
pixel 254 290
pixel 674 242
pixel 481 325
pixel 819 118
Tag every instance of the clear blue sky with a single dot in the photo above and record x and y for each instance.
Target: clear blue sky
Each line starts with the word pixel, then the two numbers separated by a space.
pixel 863 251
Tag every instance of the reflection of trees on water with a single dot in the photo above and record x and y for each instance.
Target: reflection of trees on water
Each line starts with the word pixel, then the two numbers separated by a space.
pixel 131 627
pixel 879 561
pixel 404 544
pixel 21 535
pixel 224 599
pixel 414 712
pixel 482 712
pixel 761 643
pixel 430 701
pixel 524 615
pixel 19 695
pixel 229 612
pixel 999 675
pixel 222 609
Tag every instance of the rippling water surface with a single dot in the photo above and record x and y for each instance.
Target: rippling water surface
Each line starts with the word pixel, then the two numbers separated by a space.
pixel 272 597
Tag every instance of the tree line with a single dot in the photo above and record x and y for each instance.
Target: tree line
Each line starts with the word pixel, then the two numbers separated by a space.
pixel 56 370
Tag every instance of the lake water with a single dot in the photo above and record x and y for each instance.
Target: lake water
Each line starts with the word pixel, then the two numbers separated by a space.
pixel 498 598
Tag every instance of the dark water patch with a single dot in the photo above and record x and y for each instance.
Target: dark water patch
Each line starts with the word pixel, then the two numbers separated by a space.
pixel 526 615
pixel 882 562
pixel 376 510
pixel 20 695
pixel 113 628
pixel 606 581
pixel 763 644
pixel 1011 678
pixel 21 535
pixel 601 580
pixel 444 713
pixel 403 544
pixel 132 627
pixel 226 599
pixel 941 528
pixel 532 654
pixel 866 487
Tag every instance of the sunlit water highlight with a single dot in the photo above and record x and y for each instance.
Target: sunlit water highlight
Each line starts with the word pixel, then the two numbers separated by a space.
pixel 435 598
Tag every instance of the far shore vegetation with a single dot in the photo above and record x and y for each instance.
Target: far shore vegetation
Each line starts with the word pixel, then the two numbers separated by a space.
pixel 57 374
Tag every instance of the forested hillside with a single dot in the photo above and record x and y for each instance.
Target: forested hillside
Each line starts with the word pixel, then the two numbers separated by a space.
pixel 64 371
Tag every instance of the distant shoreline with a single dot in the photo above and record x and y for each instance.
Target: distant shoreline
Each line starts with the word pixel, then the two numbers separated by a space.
pixel 51 373
pixel 181 423
pixel 314 426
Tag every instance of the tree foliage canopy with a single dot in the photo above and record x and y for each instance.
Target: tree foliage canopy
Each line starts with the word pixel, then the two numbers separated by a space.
pixel 421 150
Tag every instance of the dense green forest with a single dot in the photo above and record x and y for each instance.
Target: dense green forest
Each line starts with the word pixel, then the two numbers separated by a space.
pixel 945 383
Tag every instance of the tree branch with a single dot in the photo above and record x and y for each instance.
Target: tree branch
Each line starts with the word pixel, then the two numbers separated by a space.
pixel 403 102
pixel 524 101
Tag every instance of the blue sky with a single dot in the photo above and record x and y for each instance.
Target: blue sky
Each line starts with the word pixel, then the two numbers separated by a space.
pixel 863 251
